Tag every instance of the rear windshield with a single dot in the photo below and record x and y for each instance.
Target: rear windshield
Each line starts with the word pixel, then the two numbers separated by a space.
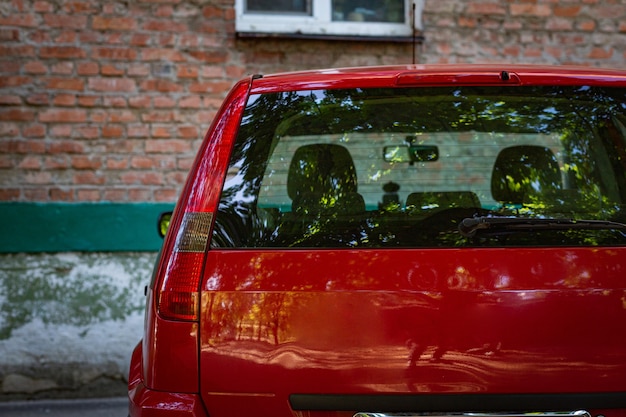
pixel 427 167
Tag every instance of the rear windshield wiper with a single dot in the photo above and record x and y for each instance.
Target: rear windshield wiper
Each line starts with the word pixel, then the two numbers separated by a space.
pixel 469 227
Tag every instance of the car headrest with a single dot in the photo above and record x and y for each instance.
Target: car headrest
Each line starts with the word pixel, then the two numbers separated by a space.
pixel 520 171
pixel 321 169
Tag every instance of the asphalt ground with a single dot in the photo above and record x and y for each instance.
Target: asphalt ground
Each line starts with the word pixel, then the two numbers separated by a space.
pixel 92 407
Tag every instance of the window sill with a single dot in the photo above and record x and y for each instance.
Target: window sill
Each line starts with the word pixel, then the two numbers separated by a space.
pixel 396 39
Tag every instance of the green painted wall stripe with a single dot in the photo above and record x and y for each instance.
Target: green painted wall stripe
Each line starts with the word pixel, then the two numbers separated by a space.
pixel 84 227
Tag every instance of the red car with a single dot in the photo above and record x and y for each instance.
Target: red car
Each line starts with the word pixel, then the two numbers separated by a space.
pixel 419 240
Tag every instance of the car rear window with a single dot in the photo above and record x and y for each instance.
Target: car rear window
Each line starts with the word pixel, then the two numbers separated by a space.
pixel 405 167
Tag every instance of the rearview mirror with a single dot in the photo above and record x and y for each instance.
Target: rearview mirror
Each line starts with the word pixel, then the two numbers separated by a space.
pixel 411 153
pixel 164 223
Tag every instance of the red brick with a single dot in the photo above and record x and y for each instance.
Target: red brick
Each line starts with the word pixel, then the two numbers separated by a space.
pixel 162 86
pixel 167 146
pixel 38 177
pixel 140 194
pixel 566 11
pixel 529 9
pixel 111 70
pixel 66 146
pixel 89 101
pixel 140 102
pixel 587 25
pixel 35 67
pixel 10 194
pixel 60 131
pixel 8 35
pixel 164 26
pixel 59 194
pixel 86 162
pixel 113 23
pixel 88 177
pixel 144 178
pixel 18 115
pixel 117 163
pixel 57 162
pixel 210 87
pixel 63 116
pixel 138 70
pixel 191 102
pixel 38 99
pixel 74 84
pixel 486 8
pixel 64 100
pixel 165 162
pixel 27 146
pixel 165 195
pixel 164 102
pixel 559 24
pixel 98 116
pixel 117 53
pixel 187 72
pixel 92 194
pixel 112 84
pixel 79 7
pixel 65 21
pixel 140 39
pixel 34 131
pixel 18 19
pixel 600 53
pixel 62 52
pixel 115 101
pixel 14 81
pixel 162 132
pixel 112 131
pixel 10 100
pixel 188 132
pixel 30 162
pixel 115 195
pixel 65 68
pixel 86 132
pixel 141 162
pixel 7 161
pixel 210 56
pixel 158 54
pixel 9 129
pixel 87 68
pixel 35 194
pixel 138 131
pixel 122 116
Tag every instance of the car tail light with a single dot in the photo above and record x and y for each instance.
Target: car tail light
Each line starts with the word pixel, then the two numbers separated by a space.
pixel 182 261
pixel 178 297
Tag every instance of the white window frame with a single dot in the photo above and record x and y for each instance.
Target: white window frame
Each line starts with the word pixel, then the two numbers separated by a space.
pixel 320 23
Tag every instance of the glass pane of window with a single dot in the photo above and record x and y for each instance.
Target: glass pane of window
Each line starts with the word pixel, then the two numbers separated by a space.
pixel 402 167
pixel 390 11
pixel 279 6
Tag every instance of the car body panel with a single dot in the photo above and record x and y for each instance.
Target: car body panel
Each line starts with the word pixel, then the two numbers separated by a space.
pixel 427 75
pixel 365 322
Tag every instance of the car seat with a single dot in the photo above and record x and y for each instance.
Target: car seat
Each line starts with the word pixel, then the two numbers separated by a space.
pixel 525 173
pixel 322 180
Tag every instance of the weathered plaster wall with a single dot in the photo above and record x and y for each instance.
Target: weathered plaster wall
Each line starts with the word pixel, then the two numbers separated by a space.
pixel 69 321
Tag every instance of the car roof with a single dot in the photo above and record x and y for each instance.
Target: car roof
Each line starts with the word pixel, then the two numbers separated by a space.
pixel 436 75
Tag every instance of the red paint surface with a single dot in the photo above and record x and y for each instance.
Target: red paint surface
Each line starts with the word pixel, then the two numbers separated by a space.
pixel 506 321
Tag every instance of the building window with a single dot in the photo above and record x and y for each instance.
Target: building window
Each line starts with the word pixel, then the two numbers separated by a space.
pixel 358 18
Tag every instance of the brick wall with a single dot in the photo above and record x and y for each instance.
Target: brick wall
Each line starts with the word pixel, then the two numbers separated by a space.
pixel 107 101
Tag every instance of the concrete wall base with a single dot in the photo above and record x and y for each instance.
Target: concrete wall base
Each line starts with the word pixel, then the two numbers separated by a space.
pixel 69 322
